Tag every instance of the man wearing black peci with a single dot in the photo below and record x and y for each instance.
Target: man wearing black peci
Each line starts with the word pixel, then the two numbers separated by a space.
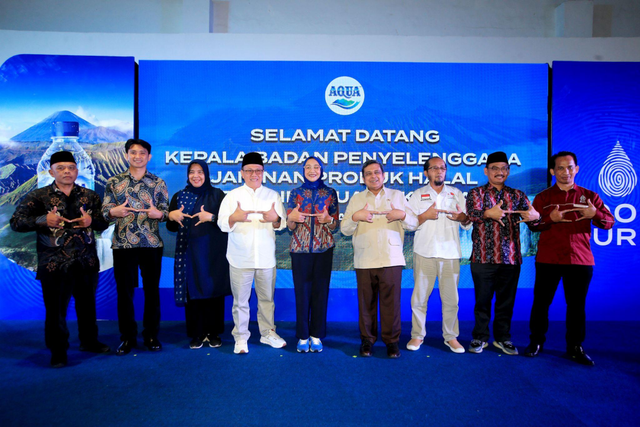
pixel 64 215
pixel 496 212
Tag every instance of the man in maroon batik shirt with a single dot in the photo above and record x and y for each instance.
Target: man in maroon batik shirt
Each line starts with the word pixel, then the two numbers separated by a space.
pixel 564 252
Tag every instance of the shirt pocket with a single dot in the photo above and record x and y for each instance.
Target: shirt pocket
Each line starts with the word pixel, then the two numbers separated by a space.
pixel 394 239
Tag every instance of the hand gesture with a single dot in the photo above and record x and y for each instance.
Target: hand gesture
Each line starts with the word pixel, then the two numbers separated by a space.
pixel 55 220
pixel 121 211
pixel 496 213
pixel 558 216
pixel 429 214
pixel 203 216
pixel 84 221
pixel 271 215
pixel 395 214
pixel 323 216
pixel 239 215
pixel 587 213
pixel 363 214
pixel 152 211
pixel 457 216
pixel 178 215
pixel 527 216
pixel 296 216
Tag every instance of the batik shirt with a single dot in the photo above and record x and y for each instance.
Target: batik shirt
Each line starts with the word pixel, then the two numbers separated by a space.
pixel 136 230
pixel 311 236
pixel 492 242
pixel 61 248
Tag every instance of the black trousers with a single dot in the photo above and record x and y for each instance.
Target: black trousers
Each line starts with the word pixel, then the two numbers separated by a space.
pixel 575 281
pixel 126 263
pixel 204 317
pixel 500 280
pixel 57 290
pixel 383 284
pixel 311 278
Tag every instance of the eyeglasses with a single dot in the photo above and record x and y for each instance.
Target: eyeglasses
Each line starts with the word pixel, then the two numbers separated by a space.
pixel 61 168
pixel 315 168
pixel 253 171
pixel 497 169
pixel 436 168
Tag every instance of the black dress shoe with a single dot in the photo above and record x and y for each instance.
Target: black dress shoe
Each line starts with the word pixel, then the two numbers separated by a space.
pixel 532 350
pixel 366 348
pixel 59 359
pixel 577 354
pixel 392 350
pixel 153 344
pixel 95 347
pixel 125 347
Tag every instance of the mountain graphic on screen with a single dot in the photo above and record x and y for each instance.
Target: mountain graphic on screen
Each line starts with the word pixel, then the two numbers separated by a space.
pixel 89 133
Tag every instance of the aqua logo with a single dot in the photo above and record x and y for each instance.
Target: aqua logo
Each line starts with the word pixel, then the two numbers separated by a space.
pixel 344 95
pixel 617 177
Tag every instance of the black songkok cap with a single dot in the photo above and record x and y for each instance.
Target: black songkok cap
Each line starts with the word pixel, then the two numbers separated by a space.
pixel 252 159
pixel 62 156
pixel 497 157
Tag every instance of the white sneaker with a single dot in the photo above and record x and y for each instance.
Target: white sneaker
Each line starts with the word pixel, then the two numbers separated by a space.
pixel 241 347
pixel 459 349
pixel 414 347
pixel 273 340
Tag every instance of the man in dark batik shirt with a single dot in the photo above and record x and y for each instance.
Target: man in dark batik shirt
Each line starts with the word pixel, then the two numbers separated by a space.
pixel 137 201
pixel 64 216
pixel 496 212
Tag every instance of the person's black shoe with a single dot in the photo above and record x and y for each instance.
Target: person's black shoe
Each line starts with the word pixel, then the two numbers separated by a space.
pixel 125 347
pixel 366 348
pixel 196 343
pixel 533 350
pixel 153 344
pixel 214 341
pixel 58 359
pixel 95 347
pixel 577 354
pixel 392 350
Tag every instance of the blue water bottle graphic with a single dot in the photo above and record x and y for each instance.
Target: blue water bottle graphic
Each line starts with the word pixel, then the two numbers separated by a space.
pixel 65 138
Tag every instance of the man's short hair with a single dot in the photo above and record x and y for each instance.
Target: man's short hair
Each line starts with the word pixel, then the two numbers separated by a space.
pixel 140 142
pixel 369 163
pixel 552 160
pixel 427 163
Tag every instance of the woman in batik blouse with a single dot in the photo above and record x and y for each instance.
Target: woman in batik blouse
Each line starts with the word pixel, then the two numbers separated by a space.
pixel 312 215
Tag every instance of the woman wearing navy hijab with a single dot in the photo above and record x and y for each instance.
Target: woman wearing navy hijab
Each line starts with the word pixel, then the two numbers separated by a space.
pixel 312 215
pixel 201 270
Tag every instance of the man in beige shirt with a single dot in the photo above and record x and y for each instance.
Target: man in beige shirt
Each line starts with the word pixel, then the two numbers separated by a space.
pixel 376 218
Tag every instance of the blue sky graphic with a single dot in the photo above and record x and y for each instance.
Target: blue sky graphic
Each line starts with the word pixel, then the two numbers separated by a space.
pixel 97 88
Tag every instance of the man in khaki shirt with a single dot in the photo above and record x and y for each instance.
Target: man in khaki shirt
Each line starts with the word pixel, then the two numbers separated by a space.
pixel 376 219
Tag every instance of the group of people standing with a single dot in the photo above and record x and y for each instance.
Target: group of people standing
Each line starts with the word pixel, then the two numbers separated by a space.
pixel 226 243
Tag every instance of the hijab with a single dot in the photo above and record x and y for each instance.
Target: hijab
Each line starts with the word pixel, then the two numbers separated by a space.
pixel 206 185
pixel 317 183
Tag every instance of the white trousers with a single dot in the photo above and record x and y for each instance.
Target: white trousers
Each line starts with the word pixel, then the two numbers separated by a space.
pixel 265 284
pixel 425 272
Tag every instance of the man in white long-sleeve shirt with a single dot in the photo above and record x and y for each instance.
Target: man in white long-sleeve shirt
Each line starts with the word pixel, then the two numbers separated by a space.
pixel 251 214
pixel 376 219
pixel 441 211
